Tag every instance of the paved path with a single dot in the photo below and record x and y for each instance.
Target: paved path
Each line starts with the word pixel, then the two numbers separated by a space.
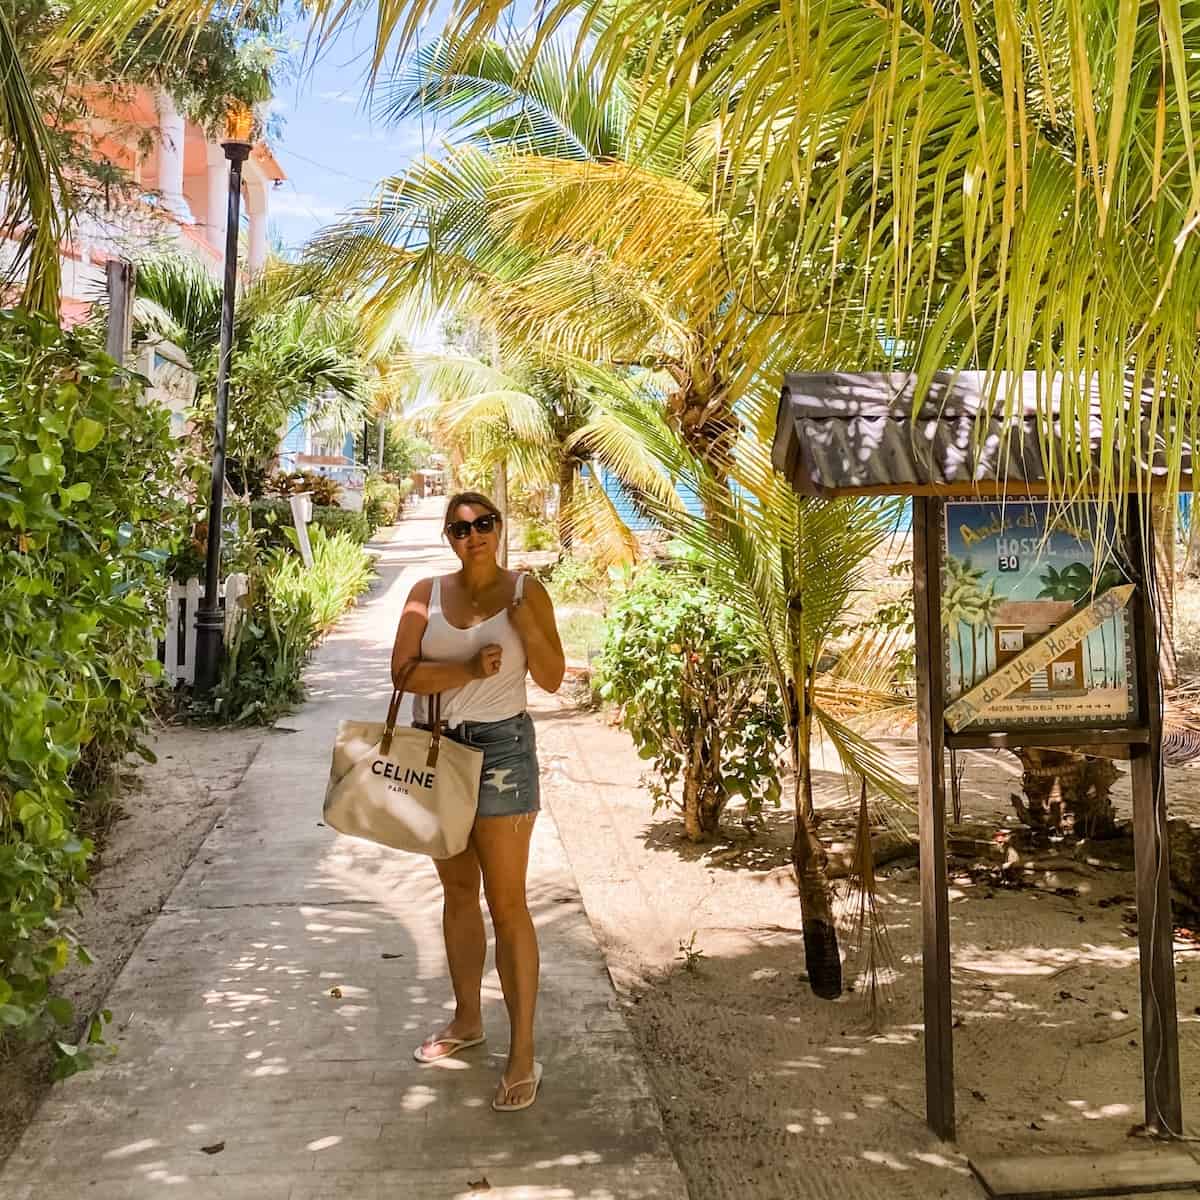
pixel 232 1033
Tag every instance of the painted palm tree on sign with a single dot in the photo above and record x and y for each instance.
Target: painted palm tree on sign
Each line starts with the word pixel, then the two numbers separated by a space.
pixel 964 605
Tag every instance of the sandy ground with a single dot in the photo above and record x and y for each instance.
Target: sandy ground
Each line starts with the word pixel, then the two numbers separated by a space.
pixel 164 811
pixel 768 1092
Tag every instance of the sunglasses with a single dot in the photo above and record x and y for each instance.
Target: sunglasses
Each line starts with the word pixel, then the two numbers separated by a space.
pixel 462 529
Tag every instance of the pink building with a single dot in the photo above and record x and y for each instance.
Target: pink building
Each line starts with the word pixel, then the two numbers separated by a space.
pixel 182 187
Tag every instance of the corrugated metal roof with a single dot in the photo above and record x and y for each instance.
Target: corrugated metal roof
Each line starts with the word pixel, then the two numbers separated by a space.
pixel 841 433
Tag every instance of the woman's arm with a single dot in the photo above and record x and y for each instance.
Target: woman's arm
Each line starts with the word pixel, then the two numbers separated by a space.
pixel 428 678
pixel 534 621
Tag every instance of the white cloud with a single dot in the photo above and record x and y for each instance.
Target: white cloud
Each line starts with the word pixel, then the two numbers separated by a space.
pixel 302 204
pixel 339 97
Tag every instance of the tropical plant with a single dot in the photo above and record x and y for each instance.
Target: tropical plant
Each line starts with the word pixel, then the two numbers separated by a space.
pixel 790 566
pixel 291 352
pixel 547 423
pixel 684 668
pixel 382 501
pixel 996 188
pixel 273 519
pixel 87 517
pixel 323 490
pixel 966 604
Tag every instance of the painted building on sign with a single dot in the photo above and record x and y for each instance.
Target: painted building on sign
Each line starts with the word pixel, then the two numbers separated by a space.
pixel 1018 624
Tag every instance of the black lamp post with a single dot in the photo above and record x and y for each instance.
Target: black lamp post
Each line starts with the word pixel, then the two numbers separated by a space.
pixel 210 618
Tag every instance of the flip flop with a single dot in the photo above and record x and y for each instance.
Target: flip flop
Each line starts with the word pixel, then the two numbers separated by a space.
pixel 535 1079
pixel 455 1044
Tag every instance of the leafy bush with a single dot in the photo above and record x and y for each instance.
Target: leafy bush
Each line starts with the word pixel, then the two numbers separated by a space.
pixel 87 517
pixel 574 580
pixel 291 608
pixel 274 518
pixel 340 573
pixel 382 501
pixel 324 490
pixel 695 697
pixel 538 535
pixel 264 660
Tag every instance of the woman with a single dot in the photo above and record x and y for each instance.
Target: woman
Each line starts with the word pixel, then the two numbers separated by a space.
pixel 473 636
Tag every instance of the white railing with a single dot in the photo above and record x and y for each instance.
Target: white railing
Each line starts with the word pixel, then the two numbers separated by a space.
pixel 178 652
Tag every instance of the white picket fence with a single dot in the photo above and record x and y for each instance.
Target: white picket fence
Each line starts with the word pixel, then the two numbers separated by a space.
pixel 178 652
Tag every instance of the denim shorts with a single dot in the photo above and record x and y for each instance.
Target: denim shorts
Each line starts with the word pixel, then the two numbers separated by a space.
pixel 509 784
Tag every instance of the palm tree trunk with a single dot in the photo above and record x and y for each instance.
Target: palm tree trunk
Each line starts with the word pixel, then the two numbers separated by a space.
pixel 821 956
pixel 567 471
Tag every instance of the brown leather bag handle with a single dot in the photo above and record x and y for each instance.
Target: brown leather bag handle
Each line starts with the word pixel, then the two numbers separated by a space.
pixel 389 729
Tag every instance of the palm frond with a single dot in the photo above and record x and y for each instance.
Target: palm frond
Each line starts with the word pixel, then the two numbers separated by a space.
pixel 36 197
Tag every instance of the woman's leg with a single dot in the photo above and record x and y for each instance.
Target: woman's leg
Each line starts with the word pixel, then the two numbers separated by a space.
pixel 502 844
pixel 466 944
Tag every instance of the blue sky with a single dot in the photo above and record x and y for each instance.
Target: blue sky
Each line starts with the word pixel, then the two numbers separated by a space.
pixel 331 149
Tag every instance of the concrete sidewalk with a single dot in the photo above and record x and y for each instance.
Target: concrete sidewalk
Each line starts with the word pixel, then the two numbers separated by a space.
pixel 272 1008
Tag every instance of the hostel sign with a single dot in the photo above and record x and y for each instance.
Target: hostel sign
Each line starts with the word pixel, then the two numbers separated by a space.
pixel 1034 617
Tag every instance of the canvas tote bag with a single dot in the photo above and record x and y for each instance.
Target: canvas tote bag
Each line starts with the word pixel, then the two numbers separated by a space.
pixel 411 789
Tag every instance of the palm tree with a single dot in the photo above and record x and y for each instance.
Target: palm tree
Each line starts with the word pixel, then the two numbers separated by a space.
pixel 984 186
pixel 290 352
pixel 35 191
pixel 549 421
pixel 963 604
pixel 563 226
pixel 790 565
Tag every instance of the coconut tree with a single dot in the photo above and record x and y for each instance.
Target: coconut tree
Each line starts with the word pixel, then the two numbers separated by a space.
pixel 289 352
pixel 548 420
pixel 996 188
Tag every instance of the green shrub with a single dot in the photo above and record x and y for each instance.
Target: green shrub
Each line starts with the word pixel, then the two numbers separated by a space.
pixel 576 580
pixel 87 520
pixel 291 608
pixel 274 518
pixel 261 675
pixel 538 535
pixel 382 502
pixel 694 695
pixel 340 573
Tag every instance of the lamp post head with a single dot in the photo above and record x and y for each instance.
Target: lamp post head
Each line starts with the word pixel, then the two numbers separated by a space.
pixel 239 132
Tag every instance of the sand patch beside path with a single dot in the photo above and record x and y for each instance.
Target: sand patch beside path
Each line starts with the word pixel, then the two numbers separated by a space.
pixel 164 812
pixel 768 1092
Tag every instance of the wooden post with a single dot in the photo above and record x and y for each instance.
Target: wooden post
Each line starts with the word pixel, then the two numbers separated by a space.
pixel 118 339
pixel 935 901
pixel 1152 872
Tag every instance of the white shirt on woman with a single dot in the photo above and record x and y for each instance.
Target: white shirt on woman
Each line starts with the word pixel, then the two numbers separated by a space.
pixel 493 698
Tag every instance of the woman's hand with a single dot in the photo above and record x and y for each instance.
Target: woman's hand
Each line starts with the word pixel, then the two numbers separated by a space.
pixel 486 662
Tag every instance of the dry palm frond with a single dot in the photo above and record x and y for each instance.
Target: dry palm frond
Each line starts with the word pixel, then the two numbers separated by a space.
pixel 868 928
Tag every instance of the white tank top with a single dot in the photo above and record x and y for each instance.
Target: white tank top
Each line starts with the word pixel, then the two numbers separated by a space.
pixel 495 698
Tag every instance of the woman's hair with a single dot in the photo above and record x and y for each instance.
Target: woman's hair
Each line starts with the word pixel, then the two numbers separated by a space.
pixel 474 498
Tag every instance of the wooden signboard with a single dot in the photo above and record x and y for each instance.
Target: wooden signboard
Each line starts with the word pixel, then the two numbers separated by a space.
pixel 1035 610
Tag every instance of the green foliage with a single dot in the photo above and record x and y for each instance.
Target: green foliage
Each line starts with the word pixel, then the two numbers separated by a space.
pixel 574 580
pixel 274 518
pixel 291 354
pixel 340 573
pixel 291 608
pixel 86 520
pixel 538 535
pixel 382 501
pixel 684 667
pixel 324 491
pixel 264 661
